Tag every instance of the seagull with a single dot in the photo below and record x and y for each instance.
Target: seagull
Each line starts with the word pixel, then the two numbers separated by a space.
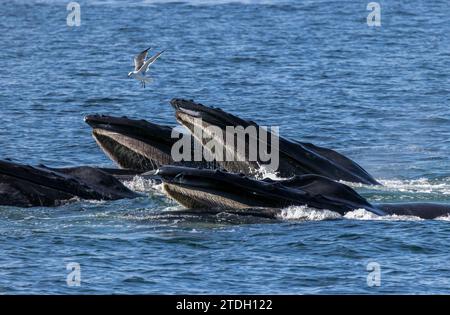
pixel 141 66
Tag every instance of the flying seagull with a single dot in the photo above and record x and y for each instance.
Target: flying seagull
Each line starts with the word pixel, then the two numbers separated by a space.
pixel 141 66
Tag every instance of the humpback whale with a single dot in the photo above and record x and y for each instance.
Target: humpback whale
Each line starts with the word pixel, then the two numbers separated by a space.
pixel 215 190
pixel 295 158
pixel 137 144
pixel 27 186
pixel 131 143
pixel 201 188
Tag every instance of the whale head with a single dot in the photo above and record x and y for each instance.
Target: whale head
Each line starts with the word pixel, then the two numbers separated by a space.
pixel 131 143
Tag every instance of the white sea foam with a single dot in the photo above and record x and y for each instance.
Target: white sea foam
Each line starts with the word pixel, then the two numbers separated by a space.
pixel 264 172
pixel 444 218
pixel 305 213
pixel 363 214
pixel 141 184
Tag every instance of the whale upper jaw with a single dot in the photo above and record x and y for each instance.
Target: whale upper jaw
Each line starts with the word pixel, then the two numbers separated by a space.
pixel 211 115
pixel 131 143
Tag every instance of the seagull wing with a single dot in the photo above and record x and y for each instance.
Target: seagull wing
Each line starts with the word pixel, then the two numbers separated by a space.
pixel 149 61
pixel 139 60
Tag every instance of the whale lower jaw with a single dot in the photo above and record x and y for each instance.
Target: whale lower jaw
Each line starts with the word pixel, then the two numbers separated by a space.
pixel 196 198
pixel 128 152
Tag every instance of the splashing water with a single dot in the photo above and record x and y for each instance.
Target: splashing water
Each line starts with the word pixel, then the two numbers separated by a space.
pixel 140 184
pixel 305 213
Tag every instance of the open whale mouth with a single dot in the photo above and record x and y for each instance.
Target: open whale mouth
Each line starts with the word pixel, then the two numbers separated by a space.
pixel 199 119
pixel 131 143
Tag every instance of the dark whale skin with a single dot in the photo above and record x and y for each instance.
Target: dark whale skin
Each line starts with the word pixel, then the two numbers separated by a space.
pixel 28 186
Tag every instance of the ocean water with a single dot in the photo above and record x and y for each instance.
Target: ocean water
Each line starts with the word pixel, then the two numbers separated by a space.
pixel 380 95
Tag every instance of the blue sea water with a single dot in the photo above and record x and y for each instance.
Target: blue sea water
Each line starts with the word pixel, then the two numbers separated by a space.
pixel 380 95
